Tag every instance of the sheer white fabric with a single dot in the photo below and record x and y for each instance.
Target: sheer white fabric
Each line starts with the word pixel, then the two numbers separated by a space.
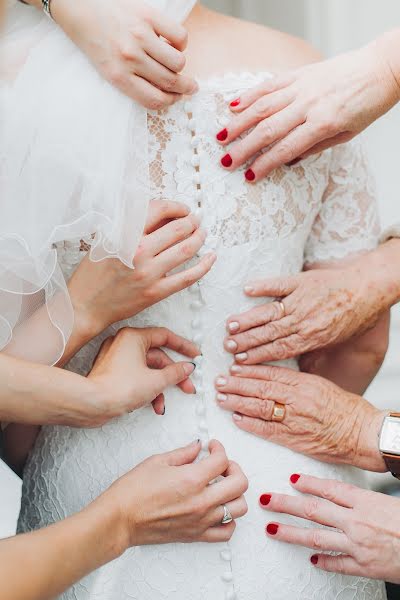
pixel 262 230
pixel 74 162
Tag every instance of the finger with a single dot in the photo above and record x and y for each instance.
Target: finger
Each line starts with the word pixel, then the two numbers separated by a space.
pixel 166 236
pixel 288 377
pixel 282 349
pixel 179 281
pixel 104 348
pixel 251 407
pixel 182 456
pixel 171 375
pixel 260 315
pixel 336 140
pixel 316 539
pixel 233 485
pixel 260 336
pixel 165 54
pixel 268 430
pixel 278 287
pixel 172 31
pixel 268 86
pixel 309 508
pixel 163 78
pixel 238 508
pixel 156 337
pixel 292 145
pixel 159 405
pixel 345 565
pixel 340 493
pixel 179 254
pixel 265 133
pixel 260 110
pixel 215 535
pixel 158 359
pixel 162 211
pixel 212 466
pixel 145 93
pixel 254 388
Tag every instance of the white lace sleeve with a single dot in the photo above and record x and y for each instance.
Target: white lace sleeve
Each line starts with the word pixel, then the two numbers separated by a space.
pixel 348 222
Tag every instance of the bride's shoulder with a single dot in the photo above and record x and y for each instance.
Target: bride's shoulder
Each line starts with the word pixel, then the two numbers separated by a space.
pixel 235 43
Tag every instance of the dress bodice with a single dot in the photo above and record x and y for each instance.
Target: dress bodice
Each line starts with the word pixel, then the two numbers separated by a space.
pixel 322 209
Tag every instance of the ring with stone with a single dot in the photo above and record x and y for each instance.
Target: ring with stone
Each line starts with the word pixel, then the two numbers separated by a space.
pixel 227 518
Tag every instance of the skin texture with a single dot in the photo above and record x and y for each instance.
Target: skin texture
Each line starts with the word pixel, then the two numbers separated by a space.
pixel 154 503
pixel 133 46
pixel 323 308
pixel 321 420
pixel 305 111
pixel 366 526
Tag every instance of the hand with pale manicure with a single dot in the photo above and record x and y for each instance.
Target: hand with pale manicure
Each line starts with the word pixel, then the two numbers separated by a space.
pixel 320 419
pixel 133 46
pixel 297 114
pixel 364 527
pixel 318 309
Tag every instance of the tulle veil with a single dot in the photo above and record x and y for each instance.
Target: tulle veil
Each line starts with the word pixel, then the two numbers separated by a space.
pixel 73 163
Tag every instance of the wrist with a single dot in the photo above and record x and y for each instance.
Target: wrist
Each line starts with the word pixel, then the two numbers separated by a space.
pixel 383 286
pixel 367 453
pixel 388 46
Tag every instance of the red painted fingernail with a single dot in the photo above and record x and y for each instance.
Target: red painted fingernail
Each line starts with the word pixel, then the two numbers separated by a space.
pixel 272 528
pixel 250 175
pixel 265 499
pixel 222 135
pixel 314 559
pixel 235 103
pixel 294 478
pixel 226 160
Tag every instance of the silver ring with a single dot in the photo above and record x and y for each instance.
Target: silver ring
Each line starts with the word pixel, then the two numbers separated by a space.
pixel 227 518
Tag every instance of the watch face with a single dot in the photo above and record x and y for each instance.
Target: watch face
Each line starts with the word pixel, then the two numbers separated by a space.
pixel 389 441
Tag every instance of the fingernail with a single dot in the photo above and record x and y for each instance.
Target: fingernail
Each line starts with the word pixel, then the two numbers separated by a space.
pixel 235 103
pixel 265 499
pixel 234 326
pixel 222 135
pixel 314 559
pixel 248 289
pixel 294 478
pixel 226 161
pixel 231 345
pixel 242 356
pixel 163 412
pixel 222 397
pixel 221 381
pixel 293 162
pixel 196 442
pixel 189 368
pixel 237 417
pixel 236 369
pixel 250 175
pixel 272 528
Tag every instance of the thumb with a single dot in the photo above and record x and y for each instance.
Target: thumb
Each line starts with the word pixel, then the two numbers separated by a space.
pixel 184 456
pixel 172 375
pixel 278 286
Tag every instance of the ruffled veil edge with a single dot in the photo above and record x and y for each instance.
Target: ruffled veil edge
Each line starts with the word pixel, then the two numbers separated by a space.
pixel 74 165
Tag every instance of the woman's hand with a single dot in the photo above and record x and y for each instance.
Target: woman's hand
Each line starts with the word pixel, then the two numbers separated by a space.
pixel 366 527
pixel 105 292
pixel 133 46
pixel 314 108
pixel 168 498
pixel 320 308
pixel 321 420
pixel 131 371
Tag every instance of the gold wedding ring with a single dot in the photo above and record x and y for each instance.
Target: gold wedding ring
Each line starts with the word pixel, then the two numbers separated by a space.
pixel 279 412
pixel 283 309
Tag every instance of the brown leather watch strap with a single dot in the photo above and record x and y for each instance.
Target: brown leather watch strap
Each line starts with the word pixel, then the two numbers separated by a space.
pixel 393 464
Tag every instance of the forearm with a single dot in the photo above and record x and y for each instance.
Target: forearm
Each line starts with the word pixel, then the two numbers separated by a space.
pixel 53 559
pixel 382 266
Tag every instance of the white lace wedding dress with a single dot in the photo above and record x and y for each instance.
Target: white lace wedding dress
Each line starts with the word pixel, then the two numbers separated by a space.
pixel 322 209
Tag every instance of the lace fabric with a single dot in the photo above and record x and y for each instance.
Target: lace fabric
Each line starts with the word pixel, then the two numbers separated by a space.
pixel 73 162
pixel 261 230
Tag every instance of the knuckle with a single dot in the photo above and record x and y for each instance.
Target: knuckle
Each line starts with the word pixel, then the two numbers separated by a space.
pixel 187 250
pixel 285 152
pixel 139 32
pixel 311 509
pixel 179 62
pixel 157 101
pixel 170 83
pixel 189 277
pixel 127 52
pixel 316 539
pixel 116 77
pixel 268 131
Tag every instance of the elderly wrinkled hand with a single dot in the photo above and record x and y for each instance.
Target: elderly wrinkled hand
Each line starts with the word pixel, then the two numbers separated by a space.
pixel 363 526
pixel 303 412
pixel 318 309
pixel 316 107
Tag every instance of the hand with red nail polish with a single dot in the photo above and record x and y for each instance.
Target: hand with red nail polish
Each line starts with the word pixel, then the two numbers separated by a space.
pixel 361 527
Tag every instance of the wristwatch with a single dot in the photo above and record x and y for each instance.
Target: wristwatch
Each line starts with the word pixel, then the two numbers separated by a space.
pixel 389 443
